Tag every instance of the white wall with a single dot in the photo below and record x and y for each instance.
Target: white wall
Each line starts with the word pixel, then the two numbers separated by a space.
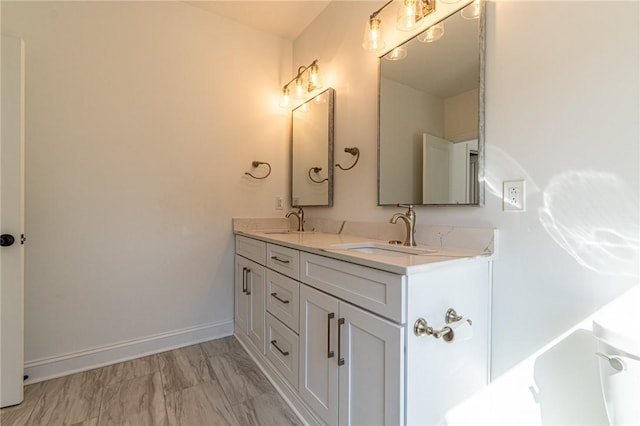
pixel 142 118
pixel 562 113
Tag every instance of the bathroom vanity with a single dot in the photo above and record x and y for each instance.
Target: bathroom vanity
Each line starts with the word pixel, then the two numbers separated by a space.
pixel 333 320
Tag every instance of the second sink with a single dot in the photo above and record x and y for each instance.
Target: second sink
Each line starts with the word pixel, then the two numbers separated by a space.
pixel 382 249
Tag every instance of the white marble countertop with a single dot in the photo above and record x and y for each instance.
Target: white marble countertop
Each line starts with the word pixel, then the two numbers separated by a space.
pixel 323 244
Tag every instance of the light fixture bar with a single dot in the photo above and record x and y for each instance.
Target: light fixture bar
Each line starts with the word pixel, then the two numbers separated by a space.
pixel 301 70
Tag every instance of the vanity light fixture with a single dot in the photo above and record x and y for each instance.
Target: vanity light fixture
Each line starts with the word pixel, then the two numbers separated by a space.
pixel 306 81
pixel 409 17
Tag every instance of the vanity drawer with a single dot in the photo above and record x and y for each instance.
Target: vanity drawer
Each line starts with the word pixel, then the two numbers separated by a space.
pixel 284 260
pixel 251 249
pixel 283 299
pixel 378 291
pixel 282 350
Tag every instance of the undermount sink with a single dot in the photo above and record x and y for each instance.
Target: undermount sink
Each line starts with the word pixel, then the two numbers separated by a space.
pixel 278 232
pixel 383 249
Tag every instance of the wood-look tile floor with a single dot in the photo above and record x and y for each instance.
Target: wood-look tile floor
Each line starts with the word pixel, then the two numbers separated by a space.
pixel 212 383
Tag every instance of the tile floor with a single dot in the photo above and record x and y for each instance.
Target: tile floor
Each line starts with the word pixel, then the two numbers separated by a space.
pixel 212 383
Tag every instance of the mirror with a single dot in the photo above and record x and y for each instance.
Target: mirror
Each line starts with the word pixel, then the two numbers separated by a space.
pixel 431 117
pixel 312 152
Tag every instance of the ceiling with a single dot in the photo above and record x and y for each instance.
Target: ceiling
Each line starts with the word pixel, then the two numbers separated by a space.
pixel 286 19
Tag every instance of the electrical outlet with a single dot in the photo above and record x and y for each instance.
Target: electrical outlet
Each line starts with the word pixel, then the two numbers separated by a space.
pixel 279 203
pixel 513 196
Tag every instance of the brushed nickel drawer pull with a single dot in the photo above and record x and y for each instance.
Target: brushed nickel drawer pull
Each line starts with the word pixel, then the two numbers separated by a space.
pixel 330 353
pixel 275 344
pixel 277 259
pixel 244 279
pixel 275 296
pixel 249 276
pixel 340 358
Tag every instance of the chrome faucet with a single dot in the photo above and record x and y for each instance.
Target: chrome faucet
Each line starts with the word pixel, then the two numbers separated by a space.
pixel 300 216
pixel 410 222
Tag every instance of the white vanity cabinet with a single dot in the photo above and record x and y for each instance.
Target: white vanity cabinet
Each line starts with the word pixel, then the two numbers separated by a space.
pixel 338 337
pixel 250 300
pixel 351 362
pixel 250 280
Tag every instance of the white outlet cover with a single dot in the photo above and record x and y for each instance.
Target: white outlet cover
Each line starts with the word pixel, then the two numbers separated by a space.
pixel 513 195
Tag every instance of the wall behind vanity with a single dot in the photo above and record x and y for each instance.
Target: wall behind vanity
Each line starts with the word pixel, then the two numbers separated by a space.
pixel 141 119
pixel 562 113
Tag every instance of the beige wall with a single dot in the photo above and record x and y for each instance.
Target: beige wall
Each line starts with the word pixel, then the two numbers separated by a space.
pixel 142 118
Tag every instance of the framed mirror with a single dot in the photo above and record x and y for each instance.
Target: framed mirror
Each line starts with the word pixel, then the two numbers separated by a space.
pixel 312 151
pixel 431 116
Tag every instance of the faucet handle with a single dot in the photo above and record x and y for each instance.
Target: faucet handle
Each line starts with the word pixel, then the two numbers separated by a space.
pixel 408 206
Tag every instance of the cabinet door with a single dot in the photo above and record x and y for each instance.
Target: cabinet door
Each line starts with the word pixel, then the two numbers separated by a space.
pixel 241 310
pixel 318 369
pixel 256 281
pixel 371 385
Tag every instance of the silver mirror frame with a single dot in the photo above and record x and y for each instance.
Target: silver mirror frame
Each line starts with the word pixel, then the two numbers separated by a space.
pixel 330 142
pixel 481 110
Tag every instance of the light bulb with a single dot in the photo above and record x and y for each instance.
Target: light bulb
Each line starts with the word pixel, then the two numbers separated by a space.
pixel 396 54
pixel 373 36
pixel 472 11
pixel 431 34
pixel 408 16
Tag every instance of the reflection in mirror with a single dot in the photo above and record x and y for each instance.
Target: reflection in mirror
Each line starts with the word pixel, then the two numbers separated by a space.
pixel 312 152
pixel 431 114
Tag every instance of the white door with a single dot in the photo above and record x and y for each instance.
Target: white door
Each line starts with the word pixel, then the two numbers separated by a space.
pixel 12 223
pixel 436 154
pixel 371 386
pixel 318 369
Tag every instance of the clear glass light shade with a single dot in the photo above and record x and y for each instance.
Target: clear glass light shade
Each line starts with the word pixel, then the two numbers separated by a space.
pixel 431 34
pixel 396 54
pixel 314 78
pixel 301 90
pixel 373 35
pixel 472 11
pixel 285 101
pixel 409 15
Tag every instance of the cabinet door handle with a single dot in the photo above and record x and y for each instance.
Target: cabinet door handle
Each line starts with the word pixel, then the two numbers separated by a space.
pixel 340 358
pixel 275 296
pixel 244 279
pixel 277 259
pixel 249 275
pixel 275 344
pixel 330 353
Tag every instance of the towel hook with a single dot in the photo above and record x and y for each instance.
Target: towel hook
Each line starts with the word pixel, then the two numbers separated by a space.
pixel 316 170
pixel 353 151
pixel 256 164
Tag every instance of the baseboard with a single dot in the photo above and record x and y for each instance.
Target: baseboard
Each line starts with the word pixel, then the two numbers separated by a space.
pixel 73 362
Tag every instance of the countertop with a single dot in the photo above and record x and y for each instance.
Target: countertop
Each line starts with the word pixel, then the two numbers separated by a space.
pixel 323 244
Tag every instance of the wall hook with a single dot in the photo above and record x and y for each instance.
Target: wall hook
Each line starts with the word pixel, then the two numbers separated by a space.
pixel 353 151
pixel 256 164
pixel 316 170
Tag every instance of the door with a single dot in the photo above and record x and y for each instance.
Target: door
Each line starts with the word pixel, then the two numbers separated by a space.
pixel 318 369
pixel 12 223
pixel 436 154
pixel 371 386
